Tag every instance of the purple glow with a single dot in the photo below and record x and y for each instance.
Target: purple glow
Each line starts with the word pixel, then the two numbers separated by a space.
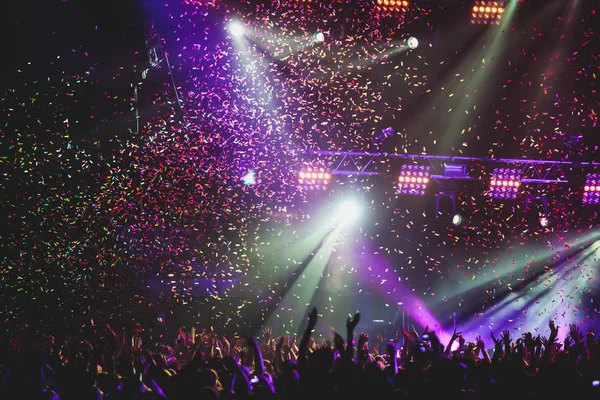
pixel 376 272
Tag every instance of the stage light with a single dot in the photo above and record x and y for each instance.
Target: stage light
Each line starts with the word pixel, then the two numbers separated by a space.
pixel 456 219
pixel 544 222
pixel 413 180
pixel 349 210
pixel 412 42
pixel 249 179
pixel 591 190
pixel 314 178
pixel 505 183
pixel 391 6
pixel 319 37
pixel 487 12
pixel 236 29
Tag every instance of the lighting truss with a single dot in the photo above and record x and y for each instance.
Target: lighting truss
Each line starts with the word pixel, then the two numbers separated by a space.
pixel 505 183
pixel 365 164
pixel 591 190
pixel 413 179
pixel 487 12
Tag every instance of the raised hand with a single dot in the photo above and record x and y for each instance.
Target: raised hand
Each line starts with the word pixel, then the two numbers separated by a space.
pixel 461 342
pixel 338 341
pixel 267 332
pixel 589 338
pixel 363 340
pixel 591 332
pixel 480 343
pixel 285 347
pixel 455 335
pixel 553 328
pixel 528 339
pixel 575 333
pixel 312 318
pixel 414 334
pixel 568 342
pixel 352 322
pixel 497 342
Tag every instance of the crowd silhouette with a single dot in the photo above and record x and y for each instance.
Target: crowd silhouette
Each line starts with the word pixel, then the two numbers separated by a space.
pixel 102 362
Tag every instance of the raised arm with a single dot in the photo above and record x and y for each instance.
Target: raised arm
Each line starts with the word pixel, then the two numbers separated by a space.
pixel 239 384
pixel 453 338
pixel 259 362
pixel 498 351
pixel 302 351
pixel 549 343
pixel 506 341
pixel 481 348
pixel 350 326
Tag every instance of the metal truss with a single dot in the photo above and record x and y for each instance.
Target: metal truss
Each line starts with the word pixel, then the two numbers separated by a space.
pixel 363 163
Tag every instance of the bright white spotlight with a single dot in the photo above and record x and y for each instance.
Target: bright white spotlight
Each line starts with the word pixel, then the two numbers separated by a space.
pixel 544 222
pixel 249 179
pixel 319 37
pixel 236 29
pixel 412 42
pixel 456 219
pixel 348 210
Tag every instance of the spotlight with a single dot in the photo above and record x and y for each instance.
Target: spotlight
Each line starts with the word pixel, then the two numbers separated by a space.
pixel 319 37
pixel 236 29
pixel 544 222
pixel 348 210
pixel 248 179
pixel 412 42
pixel 456 219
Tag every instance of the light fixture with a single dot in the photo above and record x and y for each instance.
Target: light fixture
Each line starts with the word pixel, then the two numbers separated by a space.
pixel 391 6
pixel 456 219
pixel 412 42
pixel 348 210
pixel 319 37
pixel 236 29
pixel 591 190
pixel 505 183
pixel 413 179
pixel 315 178
pixel 487 12
pixel 249 178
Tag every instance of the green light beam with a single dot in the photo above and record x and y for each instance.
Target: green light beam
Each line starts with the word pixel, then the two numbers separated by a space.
pixel 293 308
